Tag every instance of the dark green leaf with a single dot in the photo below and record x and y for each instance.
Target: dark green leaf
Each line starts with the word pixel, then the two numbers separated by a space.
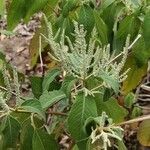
pixel 146 30
pixel 48 99
pixel 11 132
pixel 26 135
pixel 49 77
pixel 140 52
pixel 107 94
pixel 69 6
pixel 111 81
pixel 83 108
pixel 36 85
pixel 106 4
pixel 43 141
pixel 33 106
pixel 35 6
pixel 68 84
pixel 129 25
pixel 112 109
pixel 20 116
pixel 101 28
pixel 16 12
pixel 86 18
pixel 129 100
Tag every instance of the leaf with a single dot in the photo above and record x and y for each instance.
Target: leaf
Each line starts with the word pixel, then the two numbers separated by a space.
pixel 43 141
pixel 11 132
pixel 146 30
pixel 69 6
pixel 2 8
pixel 86 18
pixel 83 108
pixel 106 4
pixel 134 75
pixel 121 145
pixel 36 85
pixel 140 52
pixel 68 84
pixel 23 9
pixel 3 124
pixel 33 106
pixel 111 81
pixel 49 77
pixel 26 135
pixel 112 109
pixel 101 28
pixel 34 44
pixel 16 12
pixel 129 25
pixel 129 100
pixel 21 116
pixel 107 94
pixel 47 99
pixel 143 134
pixel 35 6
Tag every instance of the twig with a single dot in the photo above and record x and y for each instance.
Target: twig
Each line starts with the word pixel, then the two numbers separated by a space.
pixel 3 88
pixel 137 38
pixel 97 87
pixel 56 113
pixel 40 55
pixel 135 120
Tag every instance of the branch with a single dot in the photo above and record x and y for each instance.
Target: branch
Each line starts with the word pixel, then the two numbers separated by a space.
pixel 3 88
pixel 146 117
pixel 56 113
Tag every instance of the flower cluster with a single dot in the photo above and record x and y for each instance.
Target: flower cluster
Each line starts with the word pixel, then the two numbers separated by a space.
pixel 104 134
pixel 83 59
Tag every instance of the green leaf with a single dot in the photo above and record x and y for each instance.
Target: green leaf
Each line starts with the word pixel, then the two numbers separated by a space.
pixel 33 106
pixel 68 84
pixel 134 75
pixel 68 7
pixel 143 134
pixel 83 108
pixel 16 12
pixel 129 100
pixel 34 43
pixel 2 8
pixel 140 52
pixel 121 145
pixel 11 132
pixel 111 81
pixel 43 141
pixel 21 116
pixel 35 6
pixel 49 77
pixel 86 18
pixel 23 9
pixel 3 124
pixel 106 4
pixel 101 28
pixel 146 30
pixel 26 135
pixel 36 85
pixel 47 99
pixel 107 94
pixel 112 109
pixel 129 25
